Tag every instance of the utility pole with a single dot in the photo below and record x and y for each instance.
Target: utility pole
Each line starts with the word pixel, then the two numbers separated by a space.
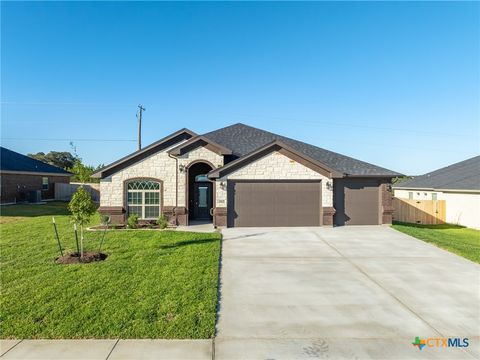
pixel 139 117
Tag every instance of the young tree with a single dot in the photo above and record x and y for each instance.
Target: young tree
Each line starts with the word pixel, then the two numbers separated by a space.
pixel 82 208
pixel 82 172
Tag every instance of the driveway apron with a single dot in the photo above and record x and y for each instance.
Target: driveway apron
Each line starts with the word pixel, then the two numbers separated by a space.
pixel 349 292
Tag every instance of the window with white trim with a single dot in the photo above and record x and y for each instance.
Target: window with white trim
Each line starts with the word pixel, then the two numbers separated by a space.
pixel 44 183
pixel 143 199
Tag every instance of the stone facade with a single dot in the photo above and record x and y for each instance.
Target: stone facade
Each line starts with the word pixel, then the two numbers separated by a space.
pixel 274 166
pixel 160 167
pixel 201 153
pixel 172 171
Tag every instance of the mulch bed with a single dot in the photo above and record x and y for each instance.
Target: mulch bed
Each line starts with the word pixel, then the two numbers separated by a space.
pixel 74 258
pixel 109 227
pixel 124 227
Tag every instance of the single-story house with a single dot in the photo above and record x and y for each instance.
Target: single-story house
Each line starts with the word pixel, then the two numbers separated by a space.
pixel 243 176
pixel 457 184
pixel 21 174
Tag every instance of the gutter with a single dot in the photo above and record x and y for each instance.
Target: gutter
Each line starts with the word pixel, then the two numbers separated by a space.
pixel 435 189
pixel 176 186
pixel 14 172
pixel 345 175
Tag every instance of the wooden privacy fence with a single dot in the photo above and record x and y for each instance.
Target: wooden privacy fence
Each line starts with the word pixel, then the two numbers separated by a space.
pixel 428 212
pixel 64 192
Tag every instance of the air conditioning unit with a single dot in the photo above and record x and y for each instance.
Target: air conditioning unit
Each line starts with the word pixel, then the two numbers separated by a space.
pixel 34 196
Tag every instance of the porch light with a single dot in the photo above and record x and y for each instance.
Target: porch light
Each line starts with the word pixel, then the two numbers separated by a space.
pixel 329 185
pixel 223 185
pixel 181 168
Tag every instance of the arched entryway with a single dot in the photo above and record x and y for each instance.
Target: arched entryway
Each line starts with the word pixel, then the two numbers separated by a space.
pixel 199 191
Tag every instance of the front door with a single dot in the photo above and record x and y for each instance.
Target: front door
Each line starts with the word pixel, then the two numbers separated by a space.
pixel 202 200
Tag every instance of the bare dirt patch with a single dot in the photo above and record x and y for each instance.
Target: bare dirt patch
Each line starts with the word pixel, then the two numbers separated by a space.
pixel 75 258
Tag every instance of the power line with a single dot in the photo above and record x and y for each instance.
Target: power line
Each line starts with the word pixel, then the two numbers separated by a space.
pixel 58 139
pixel 66 103
pixel 320 123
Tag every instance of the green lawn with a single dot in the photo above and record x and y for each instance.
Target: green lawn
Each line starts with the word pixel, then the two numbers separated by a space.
pixel 154 284
pixel 457 239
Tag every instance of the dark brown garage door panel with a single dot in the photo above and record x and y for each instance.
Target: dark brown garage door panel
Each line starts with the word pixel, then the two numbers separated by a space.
pixel 357 202
pixel 274 203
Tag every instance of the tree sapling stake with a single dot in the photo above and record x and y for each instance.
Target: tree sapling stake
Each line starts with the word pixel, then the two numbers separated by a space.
pixel 76 238
pixel 56 235
pixel 104 232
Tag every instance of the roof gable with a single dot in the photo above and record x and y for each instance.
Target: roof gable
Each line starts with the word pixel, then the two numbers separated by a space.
pixel 12 161
pixel 162 144
pixel 199 141
pixel 284 149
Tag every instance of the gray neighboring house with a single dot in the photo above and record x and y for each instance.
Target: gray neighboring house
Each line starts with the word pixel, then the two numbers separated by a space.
pixel 243 176
pixel 457 184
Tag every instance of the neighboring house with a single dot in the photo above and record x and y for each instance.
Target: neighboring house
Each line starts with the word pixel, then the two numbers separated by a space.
pixel 457 184
pixel 21 174
pixel 243 176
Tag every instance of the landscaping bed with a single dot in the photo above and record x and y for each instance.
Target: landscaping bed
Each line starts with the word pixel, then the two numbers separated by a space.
pixel 153 284
pixel 147 226
pixel 75 258
pixel 457 239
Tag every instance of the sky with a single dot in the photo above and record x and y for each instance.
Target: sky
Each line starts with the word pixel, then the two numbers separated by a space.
pixel 393 84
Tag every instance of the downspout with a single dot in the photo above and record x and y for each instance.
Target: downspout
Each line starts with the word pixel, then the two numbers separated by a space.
pixel 176 188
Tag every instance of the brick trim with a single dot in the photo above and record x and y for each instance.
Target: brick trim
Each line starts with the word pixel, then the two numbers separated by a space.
pixel 116 213
pixel 220 216
pixel 328 212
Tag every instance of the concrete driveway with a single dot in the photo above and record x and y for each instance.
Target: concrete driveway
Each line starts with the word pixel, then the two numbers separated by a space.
pixel 349 292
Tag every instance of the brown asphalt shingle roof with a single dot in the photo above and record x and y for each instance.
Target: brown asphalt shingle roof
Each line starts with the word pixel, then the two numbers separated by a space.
pixel 464 175
pixel 243 139
pixel 13 161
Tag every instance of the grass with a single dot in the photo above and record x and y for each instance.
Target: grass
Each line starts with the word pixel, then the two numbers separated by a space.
pixel 457 239
pixel 16 213
pixel 154 284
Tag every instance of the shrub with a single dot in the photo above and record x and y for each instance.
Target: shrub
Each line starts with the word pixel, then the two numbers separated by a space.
pixel 132 221
pixel 104 219
pixel 162 221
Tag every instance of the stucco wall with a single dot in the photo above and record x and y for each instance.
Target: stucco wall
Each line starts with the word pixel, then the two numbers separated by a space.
pixel 461 208
pixel 158 166
pixel 274 166
pixel 417 194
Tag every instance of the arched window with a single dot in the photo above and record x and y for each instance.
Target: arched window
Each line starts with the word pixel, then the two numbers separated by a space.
pixel 201 178
pixel 143 199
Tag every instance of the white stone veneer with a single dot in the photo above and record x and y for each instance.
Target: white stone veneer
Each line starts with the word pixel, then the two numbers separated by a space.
pixel 274 166
pixel 200 153
pixel 158 166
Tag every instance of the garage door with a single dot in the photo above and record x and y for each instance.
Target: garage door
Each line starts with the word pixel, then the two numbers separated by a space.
pixel 274 203
pixel 356 202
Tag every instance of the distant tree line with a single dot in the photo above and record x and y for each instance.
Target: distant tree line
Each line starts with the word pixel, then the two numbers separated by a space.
pixel 68 161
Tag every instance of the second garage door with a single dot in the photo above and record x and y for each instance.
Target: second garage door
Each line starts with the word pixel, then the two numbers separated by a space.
pixel 356 202
pixel 274 203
